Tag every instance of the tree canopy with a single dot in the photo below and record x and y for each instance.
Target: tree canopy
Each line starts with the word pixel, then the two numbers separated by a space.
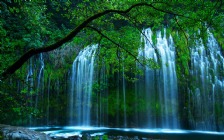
pixel 50 34
pixel 32 27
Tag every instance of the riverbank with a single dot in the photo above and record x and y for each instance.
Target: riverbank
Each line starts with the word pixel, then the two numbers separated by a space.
pixel 8 132
pixel 102 133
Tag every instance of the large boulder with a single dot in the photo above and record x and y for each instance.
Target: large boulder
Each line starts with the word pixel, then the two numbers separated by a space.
pixel 8 132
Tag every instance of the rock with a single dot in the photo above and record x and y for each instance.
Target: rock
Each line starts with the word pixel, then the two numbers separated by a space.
pixel 120 138
pixel 135 138
pixel 19 133
pixel 74 138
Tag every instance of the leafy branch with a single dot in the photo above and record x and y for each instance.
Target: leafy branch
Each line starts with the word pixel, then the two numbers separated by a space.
pixel 118 45
pixel 15 66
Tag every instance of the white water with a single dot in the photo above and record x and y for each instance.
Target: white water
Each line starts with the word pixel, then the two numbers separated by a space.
pixel 81 87
pixel 160 86
pixel 157 87
pixel 156 90
pixel 35 84
pixel 48 101
pixel 30 84
pixel 40 83
pixel 174 134
pixel 207 72
pixel 124 97
pixel 118 99
pixel 102 106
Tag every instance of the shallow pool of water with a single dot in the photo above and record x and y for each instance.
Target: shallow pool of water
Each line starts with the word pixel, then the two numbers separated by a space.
pixel 168 134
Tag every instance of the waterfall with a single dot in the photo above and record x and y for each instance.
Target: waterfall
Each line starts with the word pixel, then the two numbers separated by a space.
pixel 169 96
pixel 35 82
pixel 30 83
pixel 40 83
pixel 81 87
pixel 159 85
pixel 48 101
pixel 155 94
pixel 124 97
pixel 102 98
pixel 206 98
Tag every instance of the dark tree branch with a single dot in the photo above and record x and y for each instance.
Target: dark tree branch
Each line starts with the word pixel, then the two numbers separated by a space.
pixel 118 45
pixel 15 66
pixel 185 35
pixel 145 37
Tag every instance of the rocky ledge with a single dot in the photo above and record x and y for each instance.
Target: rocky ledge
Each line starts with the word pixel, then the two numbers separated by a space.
pixel 8 132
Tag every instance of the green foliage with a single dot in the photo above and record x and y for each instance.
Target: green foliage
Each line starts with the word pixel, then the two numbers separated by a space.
pixel 34 24
pixel 220 38
pixel 96 138
pixel 105 137
pixel 116 103
pixel 14 108
pixel 43 26
pixel 183 56
pixel 154 39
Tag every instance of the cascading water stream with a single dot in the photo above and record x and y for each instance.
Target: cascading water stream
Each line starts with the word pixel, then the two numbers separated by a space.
pixel 124 97
pixel 156 91
pixel 207 72
pixel 35 84
pixel 101 107
pixel 48 101
pixel 160 85
pixel 39 81
pixel 118 99
pixel 169 80
pixel 81 87
pixel 30 83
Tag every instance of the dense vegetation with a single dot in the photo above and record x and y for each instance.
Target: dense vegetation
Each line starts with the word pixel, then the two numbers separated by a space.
pixel 33 26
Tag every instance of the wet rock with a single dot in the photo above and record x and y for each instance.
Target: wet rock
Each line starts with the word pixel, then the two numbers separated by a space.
pixel 145 139
pixel 74 138
pixel 135 138
pixel 19 133
pixel 121 138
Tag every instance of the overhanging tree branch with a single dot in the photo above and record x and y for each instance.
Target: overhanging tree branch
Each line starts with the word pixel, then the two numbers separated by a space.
pixel 118 45
pixel 11 69
pixel 185 35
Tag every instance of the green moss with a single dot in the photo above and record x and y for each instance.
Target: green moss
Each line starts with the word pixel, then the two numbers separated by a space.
pixel 154 38
pixel 105 137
